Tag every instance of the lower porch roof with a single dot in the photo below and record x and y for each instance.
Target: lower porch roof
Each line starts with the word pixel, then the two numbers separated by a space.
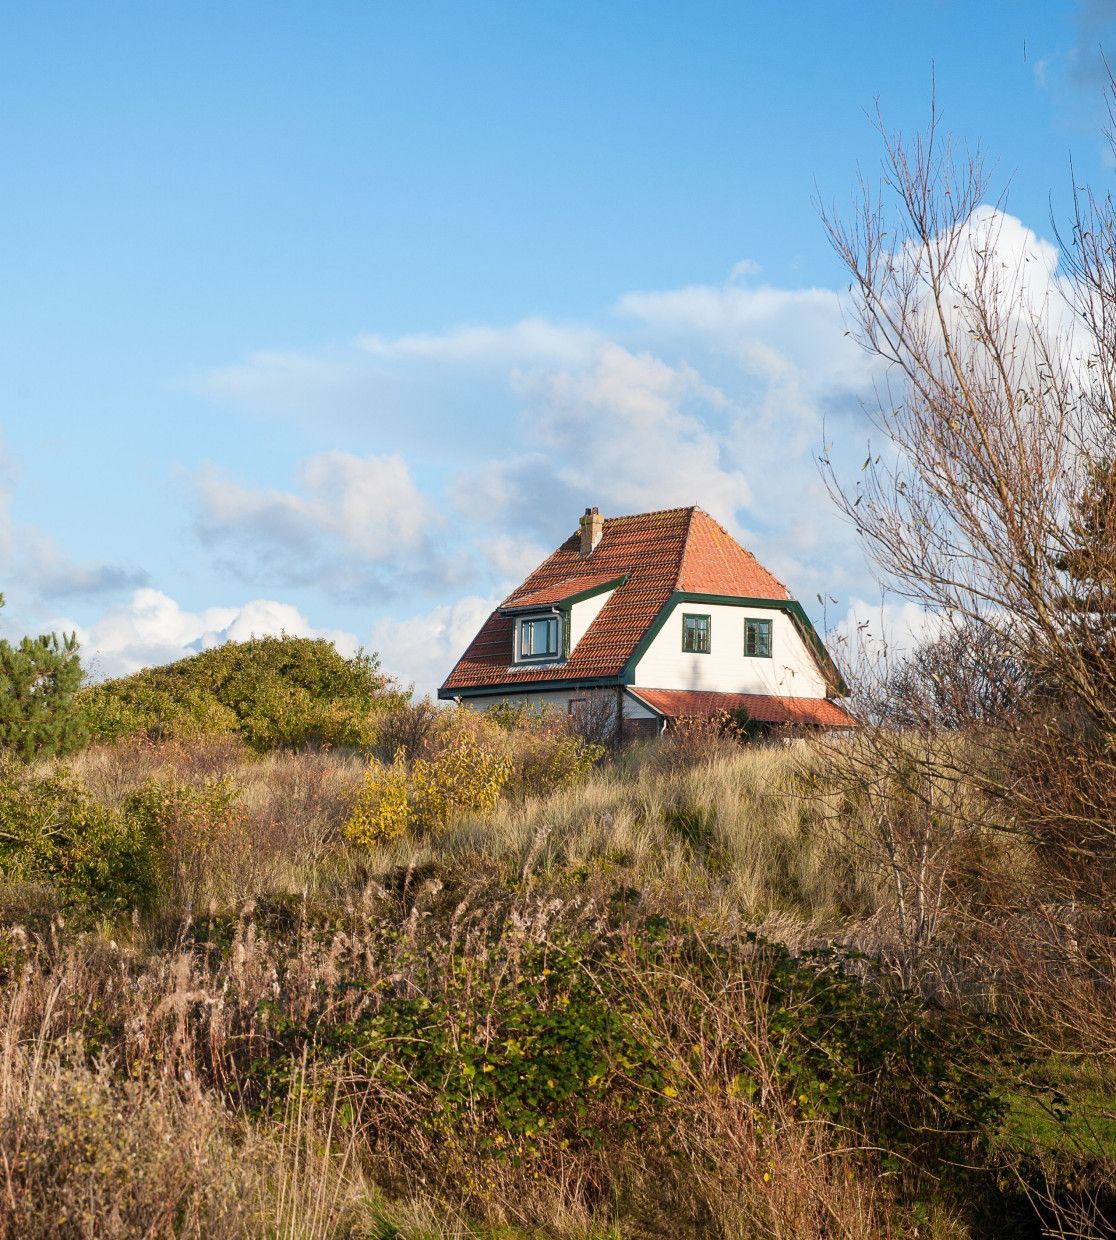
pixel 691 703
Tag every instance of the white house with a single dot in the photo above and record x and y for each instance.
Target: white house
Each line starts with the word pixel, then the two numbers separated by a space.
pixel 665 615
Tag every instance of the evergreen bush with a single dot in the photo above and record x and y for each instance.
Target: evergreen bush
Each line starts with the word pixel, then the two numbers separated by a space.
pixel 40 713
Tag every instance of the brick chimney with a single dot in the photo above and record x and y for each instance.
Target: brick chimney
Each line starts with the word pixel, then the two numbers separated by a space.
pixel 592 527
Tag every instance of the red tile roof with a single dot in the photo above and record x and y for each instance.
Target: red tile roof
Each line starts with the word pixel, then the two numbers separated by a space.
pixel 659 552
pixel 690 703
pixel 559 591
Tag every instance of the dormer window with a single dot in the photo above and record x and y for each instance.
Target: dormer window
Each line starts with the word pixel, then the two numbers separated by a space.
pixel 537 638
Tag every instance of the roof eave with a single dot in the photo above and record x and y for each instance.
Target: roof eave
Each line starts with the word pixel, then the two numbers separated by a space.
pixel 498 689
pixel 567 600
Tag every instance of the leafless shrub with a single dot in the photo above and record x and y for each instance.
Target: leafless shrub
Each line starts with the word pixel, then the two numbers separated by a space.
pixel 987 504
pixel 695 740
pixel 112 772
pixel 413 728
pixel 595 717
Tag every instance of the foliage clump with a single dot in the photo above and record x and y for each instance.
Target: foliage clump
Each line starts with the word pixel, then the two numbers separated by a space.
pixel 454 762
pixel 272 691
pixel 98 858
pixel 464 777
pixel 40 714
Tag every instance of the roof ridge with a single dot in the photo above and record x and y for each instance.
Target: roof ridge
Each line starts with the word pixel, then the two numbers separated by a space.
pixel 682 550
pixel 656 512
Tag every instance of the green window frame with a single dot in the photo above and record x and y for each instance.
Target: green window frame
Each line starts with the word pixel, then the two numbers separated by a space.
pixel 696 633
pixel 757 639
pixel 538 638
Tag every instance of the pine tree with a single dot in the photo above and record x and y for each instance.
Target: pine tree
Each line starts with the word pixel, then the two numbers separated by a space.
pixel 40 715
pixel 1090 563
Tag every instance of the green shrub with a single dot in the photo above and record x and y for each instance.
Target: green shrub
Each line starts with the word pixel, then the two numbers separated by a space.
pixel 515 1043
pixel 502 1055
pixel 40 715
pixel 544 759
pixel 197 829
pixel 465 777
pixel 272 691
pixel 52 831
pixel 864 1054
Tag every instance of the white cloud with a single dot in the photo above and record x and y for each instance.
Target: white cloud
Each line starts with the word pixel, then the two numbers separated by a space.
pixel 34 563
pixel 44 567
pixel 743 269
pixel 529 342
pixel 879 633
pixel 630 432
pixel 356 524
pixel 713 395
pixel 152 628
pixel 720 395
pixel 422 649
pixel 284 380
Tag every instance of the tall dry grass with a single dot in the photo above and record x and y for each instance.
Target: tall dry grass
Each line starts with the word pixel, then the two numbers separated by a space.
pixel 146 1039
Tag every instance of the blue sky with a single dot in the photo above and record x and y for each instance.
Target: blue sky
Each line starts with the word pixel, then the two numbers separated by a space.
pixel 333 317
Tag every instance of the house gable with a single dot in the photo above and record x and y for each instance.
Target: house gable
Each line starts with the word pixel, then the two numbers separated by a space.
pixel 804 639
pixel 662 662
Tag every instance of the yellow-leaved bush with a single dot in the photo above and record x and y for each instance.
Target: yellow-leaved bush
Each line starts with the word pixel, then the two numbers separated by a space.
pixel 464 777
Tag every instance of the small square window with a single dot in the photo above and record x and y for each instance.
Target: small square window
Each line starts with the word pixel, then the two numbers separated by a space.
pixel 757 638
pixel 538 638
pixel 695 634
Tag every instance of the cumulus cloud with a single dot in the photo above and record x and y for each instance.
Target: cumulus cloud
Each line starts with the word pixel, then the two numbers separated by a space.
pixel 283 381
pixel 357 525
pixel 635 432
pixel 720 395
pixel 422 649
pixel 714 395
pixel 152 628
pixel 42 566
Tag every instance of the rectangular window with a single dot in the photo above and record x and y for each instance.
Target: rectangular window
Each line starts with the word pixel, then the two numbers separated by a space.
pixel 695 634
pixel 538 639
pixel 757 638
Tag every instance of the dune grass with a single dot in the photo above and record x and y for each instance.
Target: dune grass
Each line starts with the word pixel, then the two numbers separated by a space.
pixel 295 1039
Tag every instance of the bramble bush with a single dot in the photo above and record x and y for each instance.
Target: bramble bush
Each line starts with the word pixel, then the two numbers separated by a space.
pixel 537 1044
pixel 507 1053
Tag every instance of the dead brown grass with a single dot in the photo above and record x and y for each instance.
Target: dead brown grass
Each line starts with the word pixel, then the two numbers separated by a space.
pixel 132 1047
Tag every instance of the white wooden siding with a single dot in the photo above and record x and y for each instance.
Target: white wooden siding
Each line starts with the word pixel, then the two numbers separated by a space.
pixel 558 699
pixel 584 613
pixel 637 710
pixel 792 670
